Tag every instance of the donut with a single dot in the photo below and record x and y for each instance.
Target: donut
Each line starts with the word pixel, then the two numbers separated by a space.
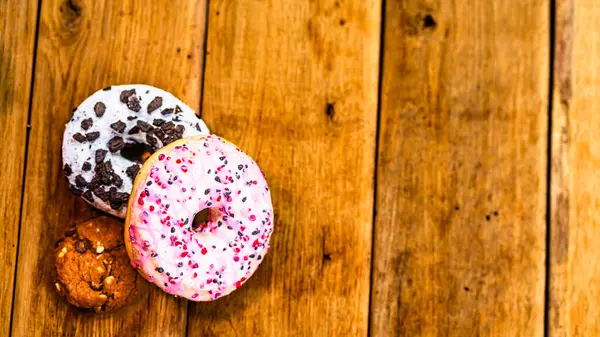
pixel 109 129
pixel 212 259
pixel 92 267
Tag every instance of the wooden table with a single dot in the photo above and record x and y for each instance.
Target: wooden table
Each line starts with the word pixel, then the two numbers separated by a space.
pixel 433 163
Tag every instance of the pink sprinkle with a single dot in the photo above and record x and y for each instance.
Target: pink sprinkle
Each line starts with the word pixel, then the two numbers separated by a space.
pixel 236 258
pixel 195 275
pixel 183 189
pixel 161 156
pixel 184 168
pixel 195 295
pixel 252 217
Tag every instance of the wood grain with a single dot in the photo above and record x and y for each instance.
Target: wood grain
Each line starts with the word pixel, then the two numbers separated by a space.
pixel 84 46
pixel 294 84
pixel 575 203
pixel 17 34
pixel 461 184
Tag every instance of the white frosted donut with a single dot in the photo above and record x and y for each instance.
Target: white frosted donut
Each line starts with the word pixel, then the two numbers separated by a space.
pixel 180 180
pixel 110 123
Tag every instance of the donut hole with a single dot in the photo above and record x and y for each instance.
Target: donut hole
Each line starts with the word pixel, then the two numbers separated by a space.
pixel 136 152
pixel 201 219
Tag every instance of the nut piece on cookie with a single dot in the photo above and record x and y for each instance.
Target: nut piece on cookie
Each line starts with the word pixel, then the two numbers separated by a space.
pixel 93 269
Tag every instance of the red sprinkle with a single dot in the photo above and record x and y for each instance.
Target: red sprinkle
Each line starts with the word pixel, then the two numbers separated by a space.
pixel 184 254
pixel 204 251
pixel 161 156
pixel 184 168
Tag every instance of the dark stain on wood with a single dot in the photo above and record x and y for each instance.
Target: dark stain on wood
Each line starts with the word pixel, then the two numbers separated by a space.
pixel 330 110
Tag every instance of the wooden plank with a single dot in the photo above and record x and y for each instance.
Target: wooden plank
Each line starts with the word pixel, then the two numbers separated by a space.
pixel 574 275
pixel 17 34
pixel 84 46
pixel 294 84
pixel 461 185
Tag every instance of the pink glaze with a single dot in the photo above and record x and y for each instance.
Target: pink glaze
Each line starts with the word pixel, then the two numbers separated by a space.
pixel 211 261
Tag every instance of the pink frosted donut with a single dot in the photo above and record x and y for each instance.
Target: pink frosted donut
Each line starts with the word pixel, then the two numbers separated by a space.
pixel 180 180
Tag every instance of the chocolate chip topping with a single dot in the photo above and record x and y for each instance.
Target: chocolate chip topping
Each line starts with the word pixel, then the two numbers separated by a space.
pixel 134 104
pixel 79 137
pixel 178 109
pixel 168 127
pixel 179 129
pixel 151 139
pixel 103 175
pixel 100 155
pixel 87 123
pixel 87 195
pixel 80 181
pixel 101 193
pixel 167 111
pixel 159 134
pixel 135 129
pixel 145 127
pixel 130 118
pixel 158 122
pixel 125 94
pixel 117 199
pixel 92 136
pixel 115 144
pixel 86 166
pixel 198 127
pixel 118 126
pixel 155 104
pixel 107 88
pixel 132 171
pixel 75 190
pixel 99 109
pixel 67 170
pixel 116 180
